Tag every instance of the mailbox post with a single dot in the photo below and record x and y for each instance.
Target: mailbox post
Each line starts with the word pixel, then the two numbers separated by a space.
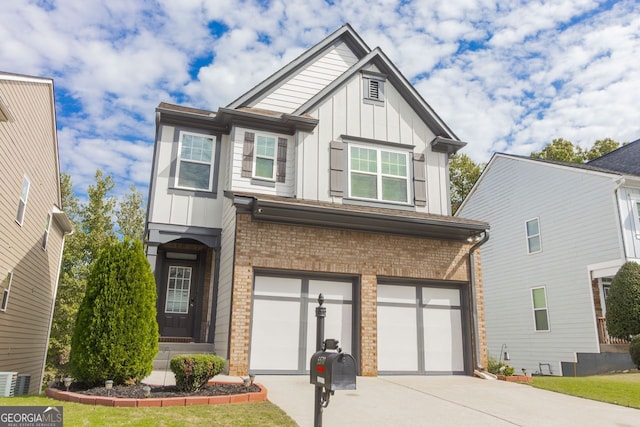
pixel 330 369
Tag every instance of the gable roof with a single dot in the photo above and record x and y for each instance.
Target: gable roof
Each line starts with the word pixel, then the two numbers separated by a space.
pixel 625 159
pixel 366 58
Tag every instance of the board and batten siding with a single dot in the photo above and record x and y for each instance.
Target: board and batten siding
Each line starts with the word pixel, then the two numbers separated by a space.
pixel 225 279
pixel 310 80
pixel 345 113
pixel 579 227
pixel 181 207
pixel 627 199
pixel 27 147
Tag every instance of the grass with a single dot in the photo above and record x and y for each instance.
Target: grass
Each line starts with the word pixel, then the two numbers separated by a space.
pixel 620 389
pixel 246 414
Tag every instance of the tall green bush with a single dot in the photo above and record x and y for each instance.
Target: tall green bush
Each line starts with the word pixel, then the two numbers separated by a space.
pixel 634 351
pixel 116 332
pixel 623 302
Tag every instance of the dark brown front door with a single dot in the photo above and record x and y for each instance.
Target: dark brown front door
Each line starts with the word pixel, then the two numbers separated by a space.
pixel 178 299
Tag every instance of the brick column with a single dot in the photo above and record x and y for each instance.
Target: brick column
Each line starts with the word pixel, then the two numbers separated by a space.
pixel 240 321
pixel 369 326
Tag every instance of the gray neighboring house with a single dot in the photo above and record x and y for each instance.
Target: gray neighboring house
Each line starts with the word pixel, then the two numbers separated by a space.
pixel 32 227
pixel 560 232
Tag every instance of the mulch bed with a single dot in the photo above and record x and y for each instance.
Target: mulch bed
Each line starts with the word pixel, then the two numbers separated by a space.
pixel 135 391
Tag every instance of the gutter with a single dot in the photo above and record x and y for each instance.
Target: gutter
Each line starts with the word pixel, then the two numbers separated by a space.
pixel 472 282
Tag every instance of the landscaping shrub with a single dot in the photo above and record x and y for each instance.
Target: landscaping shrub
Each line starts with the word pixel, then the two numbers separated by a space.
pixel 634 351
pixel 499 368
pixel 623 302
pixel 116 332
pixel 193 371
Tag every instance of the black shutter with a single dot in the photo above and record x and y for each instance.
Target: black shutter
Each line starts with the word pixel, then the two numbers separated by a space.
pixel 281 173
pixel 337 168
pixel 247 155
pixel 419 180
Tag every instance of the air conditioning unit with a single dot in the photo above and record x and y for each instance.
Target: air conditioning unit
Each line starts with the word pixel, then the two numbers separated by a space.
pixel 22 384
pixel 8 383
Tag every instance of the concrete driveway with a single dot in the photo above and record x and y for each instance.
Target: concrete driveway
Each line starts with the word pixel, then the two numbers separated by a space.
pixel 442 401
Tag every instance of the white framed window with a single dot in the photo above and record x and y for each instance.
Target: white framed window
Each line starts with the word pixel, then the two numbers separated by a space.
pixel 540 310
pixel 605 286
pixel 194 168
pixel 22 204
pixel 178 290
pixel 6 288
pixel 264 161
pixel 534 242
pixel 378 174
pixel 47 227
pixel 636 216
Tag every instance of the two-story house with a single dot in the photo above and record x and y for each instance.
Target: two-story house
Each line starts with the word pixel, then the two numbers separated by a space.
pixel 559 233
pixel 32 227
pixel 330 176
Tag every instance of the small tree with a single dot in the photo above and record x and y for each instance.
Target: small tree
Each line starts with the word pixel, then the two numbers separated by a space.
pixel 623 302
pixel 116 333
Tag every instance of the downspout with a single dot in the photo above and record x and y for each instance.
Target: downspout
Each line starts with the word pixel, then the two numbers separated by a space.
pixel 472 283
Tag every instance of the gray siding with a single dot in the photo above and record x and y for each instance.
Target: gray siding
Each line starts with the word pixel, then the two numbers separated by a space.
pixel 579 227
pixel 28 147
pixel 225 280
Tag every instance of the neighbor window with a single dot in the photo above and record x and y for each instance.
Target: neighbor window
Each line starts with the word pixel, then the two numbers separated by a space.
pixel 6 286
pixel 265 157
pixel 195 161
pixel 636 213
pixel 47 227
pixel 378 174
pixel 533 236
pixel 540 314
pixel 22 205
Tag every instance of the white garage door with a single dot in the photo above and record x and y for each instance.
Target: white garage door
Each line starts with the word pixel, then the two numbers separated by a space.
pixel 283 323
pixel 419 330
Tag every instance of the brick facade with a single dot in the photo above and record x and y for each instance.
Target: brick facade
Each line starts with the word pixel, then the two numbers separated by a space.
pixel 367 255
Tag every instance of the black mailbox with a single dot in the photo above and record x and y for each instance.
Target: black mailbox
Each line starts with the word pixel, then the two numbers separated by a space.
pixel 333 371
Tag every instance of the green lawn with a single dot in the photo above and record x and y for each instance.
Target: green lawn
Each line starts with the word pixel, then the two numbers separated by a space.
pixel 621 389
pixel 246 414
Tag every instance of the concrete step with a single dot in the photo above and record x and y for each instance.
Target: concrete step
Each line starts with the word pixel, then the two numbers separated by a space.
pixel 169 349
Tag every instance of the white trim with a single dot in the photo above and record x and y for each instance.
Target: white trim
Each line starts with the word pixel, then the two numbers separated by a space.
pixel 605 269
pixel 179 160
pixel 546 308
pixel 528 237
pixel 28 79
pixel 635 207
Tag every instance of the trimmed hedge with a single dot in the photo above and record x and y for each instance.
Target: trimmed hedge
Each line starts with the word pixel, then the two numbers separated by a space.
pixel 634 351
pixel 623 302
pixel 193 371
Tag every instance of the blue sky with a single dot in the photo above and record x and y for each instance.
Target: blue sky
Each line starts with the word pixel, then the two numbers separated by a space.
pixel 506 76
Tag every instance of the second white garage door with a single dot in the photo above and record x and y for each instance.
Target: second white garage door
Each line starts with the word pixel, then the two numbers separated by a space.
pixel 420 330
pixel 283 322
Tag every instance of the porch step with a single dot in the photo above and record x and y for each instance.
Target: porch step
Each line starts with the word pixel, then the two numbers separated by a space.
pixel 169 349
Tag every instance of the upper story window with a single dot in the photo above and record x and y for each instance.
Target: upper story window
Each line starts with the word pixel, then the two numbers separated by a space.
pixel 636 214
pixel 22 204
pixel 373 87
pixel 195 161
pixel 534 243
pixel 264 157
pixel 540 311
pixel 47 227
pixel 6 287
pixel 378 174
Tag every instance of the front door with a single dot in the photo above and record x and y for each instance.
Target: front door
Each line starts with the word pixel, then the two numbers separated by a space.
pixel 178 300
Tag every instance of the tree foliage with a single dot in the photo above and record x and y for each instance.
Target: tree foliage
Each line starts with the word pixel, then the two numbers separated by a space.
pixel 463 173
pixel 601 147
pixel 116 333
pixel 565 151
pixel 131 215
pixel 623 302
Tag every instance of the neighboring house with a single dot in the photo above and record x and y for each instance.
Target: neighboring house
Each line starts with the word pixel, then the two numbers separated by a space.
pixel 331 176
pixel 559 233
pixel 32 225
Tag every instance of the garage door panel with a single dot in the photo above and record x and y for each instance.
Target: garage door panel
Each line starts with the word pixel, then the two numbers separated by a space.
pixel 277 287
pixel 275 335
pixel 397 339
pixel 330 290
pixel 443 340
pixel 441 296
pixel 396 294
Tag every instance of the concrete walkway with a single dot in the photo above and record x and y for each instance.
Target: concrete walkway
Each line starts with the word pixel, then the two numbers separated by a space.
pixel 442 401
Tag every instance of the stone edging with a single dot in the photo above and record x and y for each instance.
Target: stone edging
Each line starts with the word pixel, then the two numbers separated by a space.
pixel 68 396
pixel 516 378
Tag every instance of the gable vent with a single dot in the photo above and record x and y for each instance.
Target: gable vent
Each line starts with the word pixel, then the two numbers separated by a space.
pixel 374 89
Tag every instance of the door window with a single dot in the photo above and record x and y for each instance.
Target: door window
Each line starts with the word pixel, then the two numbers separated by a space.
pixel 178 289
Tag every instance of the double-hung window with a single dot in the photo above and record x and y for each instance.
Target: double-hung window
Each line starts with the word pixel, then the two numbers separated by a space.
pixel 265 157
pixel 636 215
pixel 195 161
pixel 378 174
pixel 22 204
pixel 47 228
pixel 6 287
pixel 534 244
pixel 540 311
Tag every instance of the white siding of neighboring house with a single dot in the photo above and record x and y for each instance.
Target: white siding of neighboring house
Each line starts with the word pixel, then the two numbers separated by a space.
pixel 310 80
pixel 579 226
pixel 182 209
pixel 345 113
pixel 627 199
pixel 225 280
pixel 244 184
